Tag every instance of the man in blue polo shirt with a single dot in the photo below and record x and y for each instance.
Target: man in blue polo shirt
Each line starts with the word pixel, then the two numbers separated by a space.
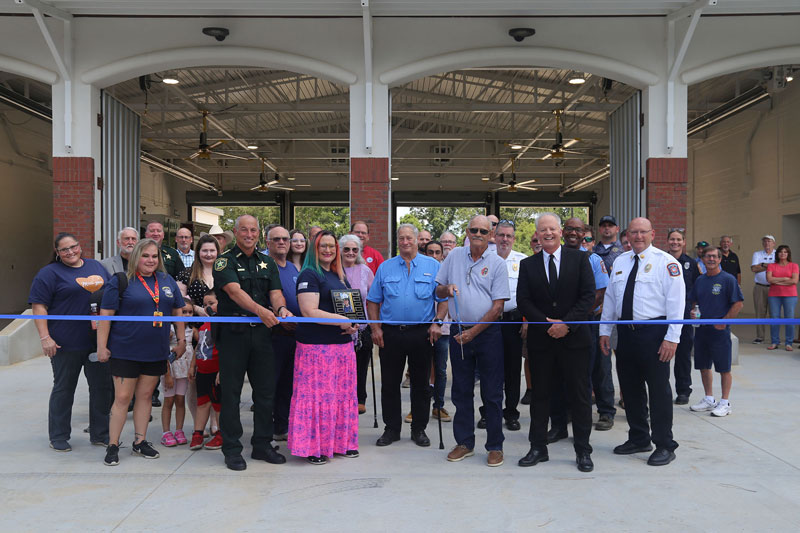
pixel 403 291
pixel 719 296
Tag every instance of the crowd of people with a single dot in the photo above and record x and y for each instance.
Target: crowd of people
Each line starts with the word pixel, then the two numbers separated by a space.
pixel 489 310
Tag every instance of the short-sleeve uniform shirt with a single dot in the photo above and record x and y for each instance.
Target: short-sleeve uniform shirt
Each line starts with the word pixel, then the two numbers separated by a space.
pixel 479 282
pixel 172 260
pixel 66 291
pixel 257 275
pixel 715 294
pixel 406 295
pixel 141 341
pixel 512 267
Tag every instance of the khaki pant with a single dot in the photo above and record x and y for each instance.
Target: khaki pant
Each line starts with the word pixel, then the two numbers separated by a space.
pixel 760 293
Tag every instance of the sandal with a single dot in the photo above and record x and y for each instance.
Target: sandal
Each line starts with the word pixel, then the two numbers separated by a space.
pixel 789 348
pixel 772 347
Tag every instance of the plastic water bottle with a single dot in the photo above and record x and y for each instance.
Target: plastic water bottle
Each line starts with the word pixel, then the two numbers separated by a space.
pixel 696 314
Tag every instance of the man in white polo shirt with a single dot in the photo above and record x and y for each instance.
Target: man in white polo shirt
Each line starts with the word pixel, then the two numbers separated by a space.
pixel 761 259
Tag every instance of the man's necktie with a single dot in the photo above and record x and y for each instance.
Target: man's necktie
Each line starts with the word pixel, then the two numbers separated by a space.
pixel 553 275
pixel 627 298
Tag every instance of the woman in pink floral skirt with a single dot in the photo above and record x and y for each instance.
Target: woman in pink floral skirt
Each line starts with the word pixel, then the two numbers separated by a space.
pixel 323 419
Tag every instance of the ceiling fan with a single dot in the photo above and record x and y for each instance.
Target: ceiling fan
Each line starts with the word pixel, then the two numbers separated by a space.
pixel 264 184
pixel 514 185
pixel 559 148
pixel 205 151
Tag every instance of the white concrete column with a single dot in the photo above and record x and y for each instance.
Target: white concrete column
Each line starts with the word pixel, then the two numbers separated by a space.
pixel 658 116
pixel 81 112
pixel 378 137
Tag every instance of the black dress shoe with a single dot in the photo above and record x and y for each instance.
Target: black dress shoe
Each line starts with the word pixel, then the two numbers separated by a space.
pixel 387 438
pixel 482 423
pixel 661 457
pixel 526 398
pixel 682 399
pixel 555 435
pixel 421 438
pixel 269 455
pixel 235 462
pixel 629 447
pixel 584 461
pixel 513 425
pixel 534 457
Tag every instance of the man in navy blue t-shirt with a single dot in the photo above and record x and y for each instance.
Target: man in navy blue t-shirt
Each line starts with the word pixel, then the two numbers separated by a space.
pixel 718 295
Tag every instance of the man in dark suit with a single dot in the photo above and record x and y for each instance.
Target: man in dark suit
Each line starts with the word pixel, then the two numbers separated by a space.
pixel 557 286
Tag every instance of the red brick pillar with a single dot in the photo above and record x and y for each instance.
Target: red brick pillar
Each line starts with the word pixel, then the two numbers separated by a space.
pixel 369 198
pixel 73 199
pixel 666 195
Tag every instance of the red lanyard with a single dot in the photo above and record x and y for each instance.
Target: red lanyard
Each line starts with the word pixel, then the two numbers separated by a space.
pixel 153 295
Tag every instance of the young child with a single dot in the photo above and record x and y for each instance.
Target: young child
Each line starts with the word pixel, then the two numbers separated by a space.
pixel 175 383
pixel 204 370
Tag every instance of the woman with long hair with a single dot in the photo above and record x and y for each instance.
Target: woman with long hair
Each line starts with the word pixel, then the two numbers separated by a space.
pixel 360 277
pixel 65 287
pixel 138 351
pixel 323 418
pixel 298 245
pixel 782 276
pixel 199 278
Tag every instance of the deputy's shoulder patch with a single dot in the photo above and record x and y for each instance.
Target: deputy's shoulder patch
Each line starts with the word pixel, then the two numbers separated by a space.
pixel 603 267
pixel 674 270
pixel 220 263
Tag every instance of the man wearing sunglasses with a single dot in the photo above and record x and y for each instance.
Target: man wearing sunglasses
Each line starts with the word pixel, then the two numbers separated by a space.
pixel 476 281
pixel 557 286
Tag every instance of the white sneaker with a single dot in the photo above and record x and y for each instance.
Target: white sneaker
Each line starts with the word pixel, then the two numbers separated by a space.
pixel 722 410
pixel 704 405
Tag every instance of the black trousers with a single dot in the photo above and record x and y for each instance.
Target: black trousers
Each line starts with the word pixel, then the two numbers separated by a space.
pixel 638 366
pixel 363 355
pixel 512 368
pixel 283 347
pixel 548 367
pixel 600 370
pixel 248 351
pixel 399 343
pixel 683 361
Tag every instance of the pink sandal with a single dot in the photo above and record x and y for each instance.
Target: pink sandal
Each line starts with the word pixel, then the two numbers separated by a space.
pixel 180 437
pixel 772 347
pixel 788 347
pixel 168 440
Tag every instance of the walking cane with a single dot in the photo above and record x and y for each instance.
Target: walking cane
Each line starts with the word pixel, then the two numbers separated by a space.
pixel 374 400
pixel 439 413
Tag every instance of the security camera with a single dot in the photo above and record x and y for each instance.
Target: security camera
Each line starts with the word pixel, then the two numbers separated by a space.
pixel 217 33
pixel 519 34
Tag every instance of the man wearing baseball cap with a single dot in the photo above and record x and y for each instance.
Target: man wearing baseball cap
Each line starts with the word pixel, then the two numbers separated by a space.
pixel 761 259
pixel 608 247
pixel 701 245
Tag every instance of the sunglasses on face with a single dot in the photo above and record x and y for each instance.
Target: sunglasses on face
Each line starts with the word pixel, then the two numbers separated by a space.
pixel 482 231
pixel 280 239
pixel 347 249
pixel 587 239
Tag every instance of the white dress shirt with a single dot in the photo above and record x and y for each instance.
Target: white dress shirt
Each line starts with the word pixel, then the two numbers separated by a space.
pixel 762 257
pixel 557 257
pixel 659 291
pixel 512 264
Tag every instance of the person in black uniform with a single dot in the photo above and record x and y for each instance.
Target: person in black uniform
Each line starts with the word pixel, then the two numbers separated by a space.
pixel 730 261
pixel 247 282
pixel 683 354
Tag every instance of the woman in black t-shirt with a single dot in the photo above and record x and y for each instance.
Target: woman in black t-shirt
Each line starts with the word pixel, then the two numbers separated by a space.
pixel 323 418
pixel 199 278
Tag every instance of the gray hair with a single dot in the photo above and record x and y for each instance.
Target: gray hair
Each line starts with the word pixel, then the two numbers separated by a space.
pixel 240 217
pixel 127 228
pixel 344 239
pixel 726 237
pixel 547 214
pixel 448 233
pixel 506 224
pixel 407 225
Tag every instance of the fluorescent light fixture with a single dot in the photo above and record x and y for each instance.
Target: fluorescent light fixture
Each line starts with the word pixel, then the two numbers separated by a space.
pixel 485 178
pixel 176 171
pixel 252 146
pixel 291 178
pixel 515 146
pixel 591 179
pixel 395 179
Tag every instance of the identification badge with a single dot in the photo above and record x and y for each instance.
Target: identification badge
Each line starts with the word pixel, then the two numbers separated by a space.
pixel 158 324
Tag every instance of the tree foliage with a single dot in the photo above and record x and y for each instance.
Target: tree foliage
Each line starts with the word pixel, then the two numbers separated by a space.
pixel 524 219
pixel 333 218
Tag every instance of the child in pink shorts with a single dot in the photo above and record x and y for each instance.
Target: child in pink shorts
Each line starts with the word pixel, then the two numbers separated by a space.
pixel 174 383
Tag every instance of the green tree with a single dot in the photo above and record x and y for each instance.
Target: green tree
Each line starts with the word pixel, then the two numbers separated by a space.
pixel 524 219
pixel 437 220
pixel 333 218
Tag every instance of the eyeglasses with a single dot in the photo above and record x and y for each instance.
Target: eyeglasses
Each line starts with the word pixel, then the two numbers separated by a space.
pixel 568 229
pixel 73 248
pixel 347 249
pixel 494 224
pixel 482 231
pixel 535 241
pixel 298 241
pixel 280 239
pixel 447 241
pixel 587 239
pixel 670 230
pixel 509 222
pixel 327 246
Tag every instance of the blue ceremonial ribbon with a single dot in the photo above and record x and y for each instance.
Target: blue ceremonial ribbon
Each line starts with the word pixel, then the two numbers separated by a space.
pixel 458 322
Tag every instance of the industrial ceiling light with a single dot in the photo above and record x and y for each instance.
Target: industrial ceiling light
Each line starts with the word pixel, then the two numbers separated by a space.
pixel 216 32
pixel 291 178
pixel 519 34
pixel 485 178
pixel 395 178
pixel 515 146
pixel 252 146
pixel 170 78
pixel 577 78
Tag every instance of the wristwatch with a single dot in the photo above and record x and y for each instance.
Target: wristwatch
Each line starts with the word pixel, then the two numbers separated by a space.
pixel 438 321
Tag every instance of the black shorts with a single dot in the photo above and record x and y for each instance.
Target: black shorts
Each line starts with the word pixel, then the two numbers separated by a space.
pixel 712 346
pixel 208 390
pixel 127 368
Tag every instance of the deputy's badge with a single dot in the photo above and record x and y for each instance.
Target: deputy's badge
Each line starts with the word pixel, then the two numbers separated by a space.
pixel 687 265
pixel 167 291
pixel 263 265
pixel 220 263
pixel 648 267
pixel 716 289
pixel 515 267
pixel 484 271
pixel 615 249
pixel 673 269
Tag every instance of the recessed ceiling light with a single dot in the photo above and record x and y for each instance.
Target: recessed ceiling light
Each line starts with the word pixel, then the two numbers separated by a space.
pixel 252 147
pixel 577 79
pixel 515 146
pixel 170 79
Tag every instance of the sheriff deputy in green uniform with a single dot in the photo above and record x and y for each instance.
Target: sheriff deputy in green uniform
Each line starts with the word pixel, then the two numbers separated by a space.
pixel 247 282
pixel 169 256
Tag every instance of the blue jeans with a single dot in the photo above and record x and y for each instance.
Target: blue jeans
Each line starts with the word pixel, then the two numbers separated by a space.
pixel 440 368
pixel 485 352
pixel 788 304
